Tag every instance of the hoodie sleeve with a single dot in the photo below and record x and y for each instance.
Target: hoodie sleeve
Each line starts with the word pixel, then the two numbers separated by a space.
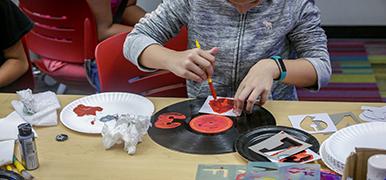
pixel 156 28
pixel 310 42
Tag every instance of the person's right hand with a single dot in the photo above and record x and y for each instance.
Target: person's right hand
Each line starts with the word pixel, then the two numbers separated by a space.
pixel 194 64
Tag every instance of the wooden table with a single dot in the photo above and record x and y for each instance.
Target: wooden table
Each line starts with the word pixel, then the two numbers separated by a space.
pixel 83 156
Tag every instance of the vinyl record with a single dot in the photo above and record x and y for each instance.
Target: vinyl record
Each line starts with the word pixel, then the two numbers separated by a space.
pixel 9 175
pixel 172 128
pixel 259 134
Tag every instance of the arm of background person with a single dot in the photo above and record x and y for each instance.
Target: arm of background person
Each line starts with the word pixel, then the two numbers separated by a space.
pixel 132 13
pixel 15 66
pixel 104 19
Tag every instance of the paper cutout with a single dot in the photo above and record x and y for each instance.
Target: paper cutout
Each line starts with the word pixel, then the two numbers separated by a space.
pixel 338 117
pixel 166 120
pixel 259 170
pixel 297 120
pixel 220 172
pixel 262 170
pixel 278 142
pixel 309 124
pixel 294 171
pixel 279 171
pixel 371 113
pixel 301 157
pixel 223 106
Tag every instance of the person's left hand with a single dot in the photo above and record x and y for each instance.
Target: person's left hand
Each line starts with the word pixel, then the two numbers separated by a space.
pixel 256 84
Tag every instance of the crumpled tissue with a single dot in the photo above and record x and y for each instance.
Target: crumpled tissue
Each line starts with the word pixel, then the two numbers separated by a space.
pixel 8 127
pixel 37 109
pixel 127 129
pixel 6 152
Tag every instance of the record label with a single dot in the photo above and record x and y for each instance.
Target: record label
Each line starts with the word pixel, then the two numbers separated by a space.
pixel 211 124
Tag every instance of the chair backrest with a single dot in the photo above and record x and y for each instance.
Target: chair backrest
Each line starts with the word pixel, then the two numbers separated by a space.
pixel 117 74
pixel 25 81
pixel 64 30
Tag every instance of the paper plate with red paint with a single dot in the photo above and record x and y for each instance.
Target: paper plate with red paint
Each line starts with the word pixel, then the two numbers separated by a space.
pixel 80 114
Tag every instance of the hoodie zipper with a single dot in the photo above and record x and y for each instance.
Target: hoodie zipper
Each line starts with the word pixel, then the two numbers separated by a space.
pixel 238 53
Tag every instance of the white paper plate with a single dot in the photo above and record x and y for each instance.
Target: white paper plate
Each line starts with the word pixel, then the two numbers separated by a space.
pixel 339 145
pixel 329 161
pixel 112 103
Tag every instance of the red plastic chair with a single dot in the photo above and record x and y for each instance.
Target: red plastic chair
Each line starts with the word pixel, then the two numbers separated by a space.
pixel 117 74
pixel 64 37
pixel 24 82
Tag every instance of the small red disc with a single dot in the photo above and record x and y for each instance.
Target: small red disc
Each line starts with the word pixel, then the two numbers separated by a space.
pixel 211 124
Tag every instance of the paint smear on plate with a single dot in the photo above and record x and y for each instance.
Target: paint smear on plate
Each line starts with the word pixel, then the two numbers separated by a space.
pixel 82 110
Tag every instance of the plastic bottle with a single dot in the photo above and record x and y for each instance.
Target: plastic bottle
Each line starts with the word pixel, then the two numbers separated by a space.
pixel 29 154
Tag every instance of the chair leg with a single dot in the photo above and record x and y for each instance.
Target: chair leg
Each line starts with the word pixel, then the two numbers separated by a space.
pixel 48 80
pixel 61 89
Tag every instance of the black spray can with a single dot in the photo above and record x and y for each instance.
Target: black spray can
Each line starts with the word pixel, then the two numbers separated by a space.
pixel 29 154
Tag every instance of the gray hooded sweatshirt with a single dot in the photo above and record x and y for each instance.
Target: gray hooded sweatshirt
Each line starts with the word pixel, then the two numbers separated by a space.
pixel 288 28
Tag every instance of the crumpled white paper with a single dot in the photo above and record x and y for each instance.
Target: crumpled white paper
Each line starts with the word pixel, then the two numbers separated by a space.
pixel 37 109
pixel 127 129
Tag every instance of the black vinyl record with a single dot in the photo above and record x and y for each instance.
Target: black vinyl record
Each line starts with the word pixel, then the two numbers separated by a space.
pixel 244 141
pixel 184 139
pixel 9 175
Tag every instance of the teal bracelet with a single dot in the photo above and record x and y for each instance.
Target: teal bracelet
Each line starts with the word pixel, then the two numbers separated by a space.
pixel 280 64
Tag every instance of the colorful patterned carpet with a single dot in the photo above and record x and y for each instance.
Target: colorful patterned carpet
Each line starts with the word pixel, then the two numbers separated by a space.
pixel 359 72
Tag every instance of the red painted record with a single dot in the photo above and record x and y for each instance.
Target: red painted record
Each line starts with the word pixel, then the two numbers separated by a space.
pixel 182 128
pixel 211 124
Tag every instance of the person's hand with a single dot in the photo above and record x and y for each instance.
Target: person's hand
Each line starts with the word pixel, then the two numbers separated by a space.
pixel 256 85
pixel 194 64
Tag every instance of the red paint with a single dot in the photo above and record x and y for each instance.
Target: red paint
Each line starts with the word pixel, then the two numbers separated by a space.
pixel 213 91
pixel 211 124
pixel 92 122
pixel 221 105
pixel 165 120
pixel 82 110
pixel 240 176
pixel 299 157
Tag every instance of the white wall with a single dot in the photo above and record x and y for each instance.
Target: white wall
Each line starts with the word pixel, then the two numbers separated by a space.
pixel 148 5
pixel 353 12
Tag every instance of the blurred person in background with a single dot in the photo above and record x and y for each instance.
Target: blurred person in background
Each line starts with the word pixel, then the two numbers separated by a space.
pixel 14 25
pixel 112 17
